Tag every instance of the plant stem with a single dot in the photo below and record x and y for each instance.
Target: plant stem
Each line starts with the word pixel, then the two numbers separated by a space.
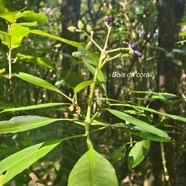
pixel 107 38
pixel 118 49
pixel 165 170
pixel 88 119
pixel 92 40
pixel 10 65
pixel 105 61
pixel 89 108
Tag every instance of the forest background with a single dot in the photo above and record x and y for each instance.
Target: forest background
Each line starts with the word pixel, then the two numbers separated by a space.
pixel 158 26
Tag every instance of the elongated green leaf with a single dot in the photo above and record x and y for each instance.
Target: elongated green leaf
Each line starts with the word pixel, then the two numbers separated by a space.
pixel 37 81
pixel 133 130
pixel 41 61
pixel 29 24
pixel 41 33
pixel 31 107
pixel 81 86
pixel 16 163
pixel 175 117
pixel 92 169
pixel 91 62
pixel 140 124
pixel 31 16
pixel 24 123
pixel 164 94
pixel 19 161
pixel 139 132
pixel 138 152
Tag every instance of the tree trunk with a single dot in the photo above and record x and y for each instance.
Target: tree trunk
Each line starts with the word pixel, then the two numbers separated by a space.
pixel 170 13
pixel 70 11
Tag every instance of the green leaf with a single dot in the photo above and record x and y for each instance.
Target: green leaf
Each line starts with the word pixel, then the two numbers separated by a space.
pixel 2 7
pixel 16 163
pixel 9 16
pixel 69 80
pixel 41 33
pixel 5 38
pixel 14 38
pixel 92 169
pixel 139 123
pixel 37 81
pixel 175 117
pixel 19 161
pixel 41 61
pixel 29 24
pixel 31 107
pixel 24 123
pixel 139 132
pixel 81 86
pixel 157 95
pixel 30 16
pixel 26 15
pixel 17 33
pixel 91 61
pixel 138 152
pixel 182 41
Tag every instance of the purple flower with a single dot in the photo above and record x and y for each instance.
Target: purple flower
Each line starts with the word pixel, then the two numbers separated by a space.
pixel 133 48
pixel 134 45
pixel 137 53
pixel 108 20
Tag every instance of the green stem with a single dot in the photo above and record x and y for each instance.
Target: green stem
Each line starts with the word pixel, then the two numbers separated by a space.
pixel 118 49
pixel 10 64
pixel 89 108
pixel 105 61
pixel 92 40
pixel 107 38
pixel 88 119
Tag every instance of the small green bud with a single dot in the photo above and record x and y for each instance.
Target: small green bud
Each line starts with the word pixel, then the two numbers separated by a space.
pixel 77 54
pixel 80 25
pixel 72 29
pixel 88 46
pixel 123 55
pixel 88 28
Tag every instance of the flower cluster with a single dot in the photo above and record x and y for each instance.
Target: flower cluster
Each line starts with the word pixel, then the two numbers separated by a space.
pixel 89 32
pixel 133 48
